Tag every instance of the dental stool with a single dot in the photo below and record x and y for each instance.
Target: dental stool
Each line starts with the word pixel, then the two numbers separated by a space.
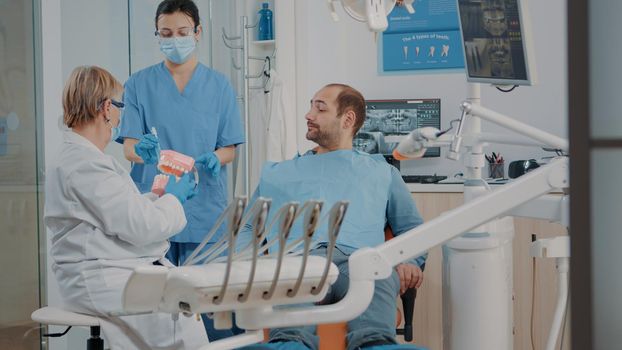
pixel 50 315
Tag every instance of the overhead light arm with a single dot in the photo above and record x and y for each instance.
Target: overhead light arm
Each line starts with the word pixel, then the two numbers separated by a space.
pixel 331 7
pixel 374 12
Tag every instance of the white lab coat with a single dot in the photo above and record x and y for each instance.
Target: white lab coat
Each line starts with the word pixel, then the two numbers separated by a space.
pixel 272 123
pixel 282 121
pixel 101 228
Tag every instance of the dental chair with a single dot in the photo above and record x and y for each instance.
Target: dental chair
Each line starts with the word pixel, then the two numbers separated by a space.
pixel 333 336
pixel 408 301
pixel 255 282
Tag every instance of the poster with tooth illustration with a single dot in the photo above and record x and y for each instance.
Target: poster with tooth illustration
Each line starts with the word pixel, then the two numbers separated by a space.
pixel 422 50
pixel 428 39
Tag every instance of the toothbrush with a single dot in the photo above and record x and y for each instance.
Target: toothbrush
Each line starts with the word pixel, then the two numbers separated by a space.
pixel 155 133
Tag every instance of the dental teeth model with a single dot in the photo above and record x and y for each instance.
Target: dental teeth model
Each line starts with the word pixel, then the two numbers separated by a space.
pixel 175 163
pixel 171 163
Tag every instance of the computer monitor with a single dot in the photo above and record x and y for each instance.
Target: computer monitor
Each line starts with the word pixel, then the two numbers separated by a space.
pixel 388 121
pixel 496 42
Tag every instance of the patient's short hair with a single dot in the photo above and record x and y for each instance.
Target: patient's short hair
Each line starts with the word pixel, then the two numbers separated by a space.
pixel 85 91
pixel 350 99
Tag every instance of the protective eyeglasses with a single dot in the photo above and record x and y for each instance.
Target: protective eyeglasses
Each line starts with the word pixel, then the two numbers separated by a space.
pixel 119 105
pixel 181 32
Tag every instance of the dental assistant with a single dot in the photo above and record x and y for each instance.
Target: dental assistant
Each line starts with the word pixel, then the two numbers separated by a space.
pixel 102 227
pixel 194 110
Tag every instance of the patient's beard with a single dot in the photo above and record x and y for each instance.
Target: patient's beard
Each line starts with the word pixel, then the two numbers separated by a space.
pixel 324 138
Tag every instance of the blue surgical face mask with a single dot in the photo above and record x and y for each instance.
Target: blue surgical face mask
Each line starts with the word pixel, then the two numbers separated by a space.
pixel 178 49
pixel 115 130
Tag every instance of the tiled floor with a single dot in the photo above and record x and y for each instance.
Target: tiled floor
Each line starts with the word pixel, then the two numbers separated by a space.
pixel 25 337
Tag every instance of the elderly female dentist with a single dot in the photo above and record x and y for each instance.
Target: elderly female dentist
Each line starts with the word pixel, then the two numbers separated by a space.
pixel 102 227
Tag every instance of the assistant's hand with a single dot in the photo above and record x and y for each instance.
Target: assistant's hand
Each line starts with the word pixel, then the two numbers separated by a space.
pixel 211 162
pixel 148 148
pixel 410 276
pixel 183 189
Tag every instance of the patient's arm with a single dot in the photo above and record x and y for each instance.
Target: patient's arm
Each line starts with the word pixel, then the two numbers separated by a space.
pixel 402 213
pixel 410 276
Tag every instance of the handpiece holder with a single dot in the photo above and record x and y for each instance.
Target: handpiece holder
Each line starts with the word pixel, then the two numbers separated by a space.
pixel 454 148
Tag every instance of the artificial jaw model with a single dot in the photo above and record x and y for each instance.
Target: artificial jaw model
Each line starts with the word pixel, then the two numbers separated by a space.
pixel 172 163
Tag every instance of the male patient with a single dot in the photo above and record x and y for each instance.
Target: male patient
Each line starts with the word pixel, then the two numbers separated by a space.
pixel 378 197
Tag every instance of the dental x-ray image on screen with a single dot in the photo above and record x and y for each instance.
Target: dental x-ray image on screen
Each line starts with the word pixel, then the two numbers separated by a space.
pixel 389 120
pixel 495 38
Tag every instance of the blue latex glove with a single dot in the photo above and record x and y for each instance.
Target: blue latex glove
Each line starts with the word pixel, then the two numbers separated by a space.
pixel 148 148
pixel 183 189
pixel 210 161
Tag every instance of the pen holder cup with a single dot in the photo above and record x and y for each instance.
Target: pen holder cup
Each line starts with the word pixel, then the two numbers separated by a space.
pixel 496 170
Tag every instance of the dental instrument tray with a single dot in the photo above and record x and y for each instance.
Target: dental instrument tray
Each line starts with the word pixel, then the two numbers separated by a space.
pixel 192 289
pixel 249 277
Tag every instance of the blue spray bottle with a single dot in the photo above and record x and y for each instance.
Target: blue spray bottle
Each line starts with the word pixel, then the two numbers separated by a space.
pixel 265 23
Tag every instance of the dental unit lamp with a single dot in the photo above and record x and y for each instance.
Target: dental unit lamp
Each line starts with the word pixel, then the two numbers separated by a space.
pixel 374 12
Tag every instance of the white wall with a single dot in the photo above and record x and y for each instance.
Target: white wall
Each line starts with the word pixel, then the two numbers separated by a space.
pixel 96 33
pixel 346 52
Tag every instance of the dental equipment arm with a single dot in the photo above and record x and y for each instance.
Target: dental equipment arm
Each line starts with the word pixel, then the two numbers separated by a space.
pixel 337 213
pixel 234 228
pixel 234 211
pixel 259 226
pixel 544 137
pixel 246 252
pixel 287 221
pixel 312 218
pixel 476 110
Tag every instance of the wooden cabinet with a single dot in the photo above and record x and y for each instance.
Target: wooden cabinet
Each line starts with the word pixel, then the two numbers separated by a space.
pixel 428 318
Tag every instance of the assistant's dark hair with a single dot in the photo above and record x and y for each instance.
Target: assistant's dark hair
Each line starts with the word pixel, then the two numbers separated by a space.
pixel 187 7
pixel 350 99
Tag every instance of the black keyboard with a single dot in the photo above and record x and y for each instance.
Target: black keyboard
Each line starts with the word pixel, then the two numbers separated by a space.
pixel 423 179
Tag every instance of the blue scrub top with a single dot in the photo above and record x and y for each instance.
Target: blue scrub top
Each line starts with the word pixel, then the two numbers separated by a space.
pixel 203 118
pixel 375 190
